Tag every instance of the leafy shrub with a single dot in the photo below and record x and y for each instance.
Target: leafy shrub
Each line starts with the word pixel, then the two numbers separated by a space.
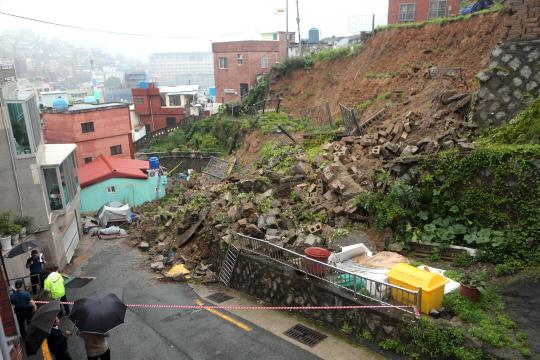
pixel 452 275
pixel 401 197
pixel 504 269
pixel 462 260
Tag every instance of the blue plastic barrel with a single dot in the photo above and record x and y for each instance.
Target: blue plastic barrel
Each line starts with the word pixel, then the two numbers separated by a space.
pixel 154 163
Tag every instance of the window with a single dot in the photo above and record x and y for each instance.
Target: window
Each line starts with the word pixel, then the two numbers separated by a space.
pixel 115 150
pixel 239 59
pixel 140 100
pixel 406 12
pixel 53 190
pixel 223 63
pixel 111 190
pixel 174 100
pixel 25 123
pixel 62 183
pixel 170 121
pixel 87 127
pixel 437 9
pixel 87 160
pixel 264 63
pixel 275 36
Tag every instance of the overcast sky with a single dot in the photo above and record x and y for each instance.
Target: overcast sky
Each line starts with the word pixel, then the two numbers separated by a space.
pixel 208 20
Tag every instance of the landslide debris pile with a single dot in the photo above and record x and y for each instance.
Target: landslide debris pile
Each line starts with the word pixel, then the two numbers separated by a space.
pixel 297 197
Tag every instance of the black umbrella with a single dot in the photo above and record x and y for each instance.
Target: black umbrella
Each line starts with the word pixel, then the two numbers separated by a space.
pixel 40 326
pixel 98 313
pixel 24 247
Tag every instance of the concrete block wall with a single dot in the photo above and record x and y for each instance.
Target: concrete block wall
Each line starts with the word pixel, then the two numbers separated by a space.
pixel 525 21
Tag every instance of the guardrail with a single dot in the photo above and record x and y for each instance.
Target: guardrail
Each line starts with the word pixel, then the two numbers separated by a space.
pixel 267 105
pixel 142 142
pixel 363 286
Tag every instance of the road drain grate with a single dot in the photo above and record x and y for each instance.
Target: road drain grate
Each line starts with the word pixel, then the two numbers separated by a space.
pixel 305 335
pixel 219 297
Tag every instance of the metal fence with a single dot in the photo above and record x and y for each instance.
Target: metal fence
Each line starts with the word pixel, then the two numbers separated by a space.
pixel 143 142
pixel 349 120
pixel 360 286
pixel 267 105
pixel 359 23
pixel 280 135
pixel 216 169
pixel 317 118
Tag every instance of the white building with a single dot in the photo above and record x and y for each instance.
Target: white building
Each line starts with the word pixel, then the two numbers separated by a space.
pixel 183 68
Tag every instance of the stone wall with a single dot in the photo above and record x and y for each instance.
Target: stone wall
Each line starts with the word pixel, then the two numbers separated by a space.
pixel 505 93
pixel 511 85
pixel 283 286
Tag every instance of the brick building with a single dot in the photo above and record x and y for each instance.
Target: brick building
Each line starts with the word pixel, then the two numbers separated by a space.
pixel 238 64
pixel 161 107
pixel 96 129
pixel 401 11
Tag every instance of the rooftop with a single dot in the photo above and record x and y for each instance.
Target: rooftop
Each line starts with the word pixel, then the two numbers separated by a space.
pixel 55 154
pixel 179 90
pixel 78 108
pixel 104 168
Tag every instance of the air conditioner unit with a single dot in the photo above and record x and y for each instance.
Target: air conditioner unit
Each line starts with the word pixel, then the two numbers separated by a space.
pixel 152 173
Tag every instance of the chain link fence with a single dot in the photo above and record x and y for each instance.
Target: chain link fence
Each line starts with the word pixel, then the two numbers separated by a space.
pixel 317 118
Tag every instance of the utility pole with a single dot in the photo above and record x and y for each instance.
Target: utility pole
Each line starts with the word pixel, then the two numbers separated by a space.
pixel 287 25
pixel 298 21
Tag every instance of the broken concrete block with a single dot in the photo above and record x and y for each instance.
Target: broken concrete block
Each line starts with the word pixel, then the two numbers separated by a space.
pixel 157 266
pixel 319 189
pixel 246 210
pixel 254 231
pixel 144 246
pixel 409 151
pixel 233 212
pixel 271 238
pixel 300 193
pixel 328 174
pixel 448 144
pixel 407 127
pixel 267 221
pixel 312 188
pixel 330 196
pixel 315 201
pixel 326 146
pixel 391 147
pixel 315 229
pixel 300 157
pixel 352 238
pixel 404 135
pixel 376 151
pixel 242 222
pixel 465 146
pixel 334 167
pixel 311 240
pixel 339 210
pixel 337 185
pixel 300 168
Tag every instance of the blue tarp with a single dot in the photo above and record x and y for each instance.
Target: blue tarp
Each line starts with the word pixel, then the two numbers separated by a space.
pixel 477 6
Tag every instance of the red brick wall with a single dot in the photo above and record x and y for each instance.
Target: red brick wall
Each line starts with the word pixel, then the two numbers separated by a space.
pixel 252 52
pixel 111 127
pixel 6 313
pixel 152 99
pixel 421 9
pixel 524 23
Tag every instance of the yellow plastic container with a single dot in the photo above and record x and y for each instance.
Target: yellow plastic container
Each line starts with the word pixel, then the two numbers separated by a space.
pixel 411 278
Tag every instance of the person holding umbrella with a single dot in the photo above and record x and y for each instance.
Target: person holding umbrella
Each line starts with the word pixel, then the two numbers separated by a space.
pixel 57 342
pixel 35 264
pixel 94 316
pixel 24 304
pixel 54 283
pixel 96 346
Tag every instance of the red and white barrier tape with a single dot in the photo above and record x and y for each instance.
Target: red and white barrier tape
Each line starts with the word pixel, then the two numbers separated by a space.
pixel 416 312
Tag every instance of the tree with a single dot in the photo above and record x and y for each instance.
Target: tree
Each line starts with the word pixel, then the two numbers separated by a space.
pixel 113 82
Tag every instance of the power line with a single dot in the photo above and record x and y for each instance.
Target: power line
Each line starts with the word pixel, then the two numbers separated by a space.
pixel 122 33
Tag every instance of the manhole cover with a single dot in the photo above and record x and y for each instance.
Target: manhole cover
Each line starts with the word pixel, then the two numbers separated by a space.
pixel 305 335
pixel 219 297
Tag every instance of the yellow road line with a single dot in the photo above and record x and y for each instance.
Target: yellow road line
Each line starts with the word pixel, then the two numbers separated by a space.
pixel 245 327
pixel 45 350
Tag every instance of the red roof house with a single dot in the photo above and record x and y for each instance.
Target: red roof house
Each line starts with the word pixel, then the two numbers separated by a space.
pixel 104 168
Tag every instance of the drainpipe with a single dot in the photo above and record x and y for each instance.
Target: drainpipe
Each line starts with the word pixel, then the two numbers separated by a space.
pixel 4 118
pixel 152 114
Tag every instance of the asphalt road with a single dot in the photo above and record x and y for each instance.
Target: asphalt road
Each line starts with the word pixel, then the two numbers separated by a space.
pixel 152 333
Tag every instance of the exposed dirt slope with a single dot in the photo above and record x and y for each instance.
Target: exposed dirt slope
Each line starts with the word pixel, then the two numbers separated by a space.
pixel 466 44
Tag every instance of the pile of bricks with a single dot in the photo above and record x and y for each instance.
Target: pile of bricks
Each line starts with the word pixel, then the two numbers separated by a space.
pixel 525 21
pixel 378 143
